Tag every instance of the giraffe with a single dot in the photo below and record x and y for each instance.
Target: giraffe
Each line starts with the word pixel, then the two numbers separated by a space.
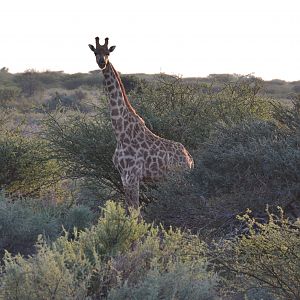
pixel 140 155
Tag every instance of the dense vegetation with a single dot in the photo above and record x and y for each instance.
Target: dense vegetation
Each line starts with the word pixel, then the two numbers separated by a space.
pixel 228 229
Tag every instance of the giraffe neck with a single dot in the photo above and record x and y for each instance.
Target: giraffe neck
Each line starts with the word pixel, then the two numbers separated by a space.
pixel 121 111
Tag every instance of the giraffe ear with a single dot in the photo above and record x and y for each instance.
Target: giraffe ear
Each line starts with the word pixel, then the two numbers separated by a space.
pixel 92 47
pixel 112 48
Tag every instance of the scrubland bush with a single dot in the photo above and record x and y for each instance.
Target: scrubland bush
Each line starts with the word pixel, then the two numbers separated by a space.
pixel 25 163
pixel 121 258
pixel 78 216
pixel 21 223
pixel 23 219
pixel 250 157
pixel 69 101
pixel 245 166
pixel 131 82
pixel 42 276
pixel 265 260
pixel 179 282
pixel 246 152
pixel 28 82
pixel 189 112
pixel 288 116
pixel 84 147
pixel 7 95
pixel 166 263
pixel 74 81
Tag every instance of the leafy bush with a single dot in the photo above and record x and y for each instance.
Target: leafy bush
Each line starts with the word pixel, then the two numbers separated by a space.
pixel 79 216
pixel 84 147
pixel 267 257
pixel 288 116
pixel 74 81
pixel 179 282
pixel 131 82
pixel 114 233
pixel 28 82
pixel 189 112
pixel 71 101
pixel 7 94
pixel 42 276
pixel 26 165
pixel 249 157
pixel 21 222
pixel 95 263
pixel 244 166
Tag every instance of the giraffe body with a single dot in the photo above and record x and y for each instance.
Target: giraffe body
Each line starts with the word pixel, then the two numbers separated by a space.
pixel 140 155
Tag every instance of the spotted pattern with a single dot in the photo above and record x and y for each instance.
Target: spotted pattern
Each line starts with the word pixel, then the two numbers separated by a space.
pixel 140 155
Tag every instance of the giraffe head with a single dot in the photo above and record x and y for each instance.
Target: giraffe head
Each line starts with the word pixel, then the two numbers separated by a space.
pixel 102 52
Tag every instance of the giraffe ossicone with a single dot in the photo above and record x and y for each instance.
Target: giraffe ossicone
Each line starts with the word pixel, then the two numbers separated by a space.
pixel 140 154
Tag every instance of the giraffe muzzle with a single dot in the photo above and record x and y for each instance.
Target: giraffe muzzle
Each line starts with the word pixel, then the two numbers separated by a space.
pixel 102 66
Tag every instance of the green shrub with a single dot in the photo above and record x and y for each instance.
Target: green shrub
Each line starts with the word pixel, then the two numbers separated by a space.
pixel 21 222
pixel 23 219
pixel 26 166
pixel 114 233
pixel 70 101
pixel 131 82
pixel 74 81
pixel 103 261
pixel 70 267
pixel 179 282
pixel 288 115
pixel 189 112
pixel 42 276
pixel 79 216
pixel 84 146
pixel 28 82
pixel 267 257
pixel 8 94
pixel 244 166
pixel 255 158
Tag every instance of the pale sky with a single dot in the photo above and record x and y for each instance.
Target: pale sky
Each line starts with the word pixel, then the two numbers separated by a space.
pixel 186 37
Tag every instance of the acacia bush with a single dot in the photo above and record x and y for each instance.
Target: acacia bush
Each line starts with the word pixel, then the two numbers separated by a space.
pixel 179 282
pixel 84 146
pixel 42 276
pixel 247 160
pixel 77 216
pixel 255 156
pixel 95 263
pixel 245 166
pixel 265 260
pixel 21 223
pixel 188 113
pixel 23 219
pixel 69 101
pixel 288 116
pixel 26 166
pixel 8 95
pixel 28 82
pixel 74 81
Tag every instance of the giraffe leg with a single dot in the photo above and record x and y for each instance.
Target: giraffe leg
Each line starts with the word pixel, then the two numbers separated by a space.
pixel 131 187
pixel 132 195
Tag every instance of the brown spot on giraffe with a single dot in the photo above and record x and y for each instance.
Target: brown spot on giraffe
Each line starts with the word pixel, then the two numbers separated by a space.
pixel 140 155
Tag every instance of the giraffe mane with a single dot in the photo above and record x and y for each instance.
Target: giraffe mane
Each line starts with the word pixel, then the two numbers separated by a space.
pixel 127 102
